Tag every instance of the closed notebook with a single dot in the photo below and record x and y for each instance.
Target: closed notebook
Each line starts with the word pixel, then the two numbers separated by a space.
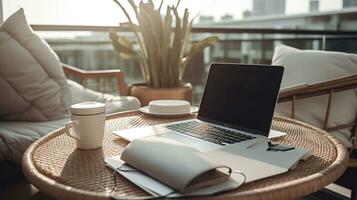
pixel 174 164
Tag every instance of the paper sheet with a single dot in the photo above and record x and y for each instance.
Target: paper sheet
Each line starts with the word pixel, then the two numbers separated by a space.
pixel 285 159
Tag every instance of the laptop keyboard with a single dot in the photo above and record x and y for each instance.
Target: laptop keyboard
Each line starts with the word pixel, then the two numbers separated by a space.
pixel 209 133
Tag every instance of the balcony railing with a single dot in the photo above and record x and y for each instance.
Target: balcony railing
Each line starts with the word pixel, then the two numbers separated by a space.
pixel 246 45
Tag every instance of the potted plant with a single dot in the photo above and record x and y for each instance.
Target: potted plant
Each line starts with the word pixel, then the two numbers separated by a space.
pixel 164 49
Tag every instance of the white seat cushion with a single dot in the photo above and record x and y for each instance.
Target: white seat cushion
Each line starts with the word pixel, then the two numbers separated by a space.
pixel 312 66
pixel 15 137
pixel 32 82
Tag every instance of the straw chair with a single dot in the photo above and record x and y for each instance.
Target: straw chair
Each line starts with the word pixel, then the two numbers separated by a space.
pixel 330 87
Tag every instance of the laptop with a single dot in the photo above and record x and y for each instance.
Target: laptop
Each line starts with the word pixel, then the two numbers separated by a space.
pixel 236 109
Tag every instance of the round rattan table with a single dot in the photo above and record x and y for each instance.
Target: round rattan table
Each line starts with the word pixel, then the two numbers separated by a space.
pixel 58 169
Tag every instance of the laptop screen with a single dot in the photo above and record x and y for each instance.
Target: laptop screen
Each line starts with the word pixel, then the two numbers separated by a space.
pixel 241 96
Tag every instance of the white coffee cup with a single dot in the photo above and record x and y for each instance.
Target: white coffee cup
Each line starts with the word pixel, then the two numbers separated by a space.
pixel 87 124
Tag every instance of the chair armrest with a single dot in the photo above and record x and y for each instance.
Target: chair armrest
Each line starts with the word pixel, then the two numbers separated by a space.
pixel 293 88
pixel 94 74
pixel 316 89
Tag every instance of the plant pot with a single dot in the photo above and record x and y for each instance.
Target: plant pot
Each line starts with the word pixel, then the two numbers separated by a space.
pixel 146 94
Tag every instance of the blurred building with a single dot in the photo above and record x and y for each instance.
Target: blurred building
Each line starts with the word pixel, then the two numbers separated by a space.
pixel 227 18
pixel 271 7
pixel 1 13
pixel 349 3
pixel 345 19
pixel 314 5
pixel 259 49
pixel 204 19
pixel 247 13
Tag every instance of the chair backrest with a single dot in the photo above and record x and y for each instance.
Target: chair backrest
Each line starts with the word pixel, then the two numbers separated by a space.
pixel 103 75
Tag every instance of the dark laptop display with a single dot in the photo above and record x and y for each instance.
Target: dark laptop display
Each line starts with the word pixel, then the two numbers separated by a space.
pixel 241 96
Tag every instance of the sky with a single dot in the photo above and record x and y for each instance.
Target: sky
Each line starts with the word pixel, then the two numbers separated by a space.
pixel 105 12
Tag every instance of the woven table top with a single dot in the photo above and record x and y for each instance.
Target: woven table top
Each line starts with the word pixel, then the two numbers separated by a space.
pixel 57 168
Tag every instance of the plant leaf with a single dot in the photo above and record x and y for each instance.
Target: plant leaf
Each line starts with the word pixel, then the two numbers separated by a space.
pixel 143 55
pixel 133 6
pixel 165 45
pixel 130 25
pixel 150 22
pixel 199 46
pixel 178 3
pixel 162 1
pixel 195 49
pixel 186 32
pixel 175 49
pixel 122 45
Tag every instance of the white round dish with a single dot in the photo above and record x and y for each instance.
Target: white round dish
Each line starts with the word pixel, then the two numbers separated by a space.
pixel 145 110
pixel 169 106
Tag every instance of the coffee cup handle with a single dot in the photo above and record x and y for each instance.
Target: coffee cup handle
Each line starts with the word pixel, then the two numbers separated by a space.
pixel 68 131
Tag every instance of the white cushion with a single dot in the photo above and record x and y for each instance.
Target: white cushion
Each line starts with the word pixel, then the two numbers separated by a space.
pixel 113 103
pixel 312 66
pixel 32 83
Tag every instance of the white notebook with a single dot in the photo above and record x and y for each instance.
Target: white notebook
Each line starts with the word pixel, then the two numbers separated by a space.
pixel 163 166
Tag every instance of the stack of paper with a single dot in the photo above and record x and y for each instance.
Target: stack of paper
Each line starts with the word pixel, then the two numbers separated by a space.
pixel 165 167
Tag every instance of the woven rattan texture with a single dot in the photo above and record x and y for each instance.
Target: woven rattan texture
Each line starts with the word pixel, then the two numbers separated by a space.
pixel 58 158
